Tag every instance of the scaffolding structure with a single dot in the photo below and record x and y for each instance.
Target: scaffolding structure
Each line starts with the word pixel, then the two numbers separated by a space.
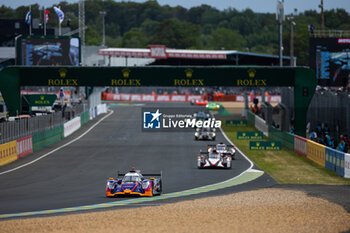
pixel 82 27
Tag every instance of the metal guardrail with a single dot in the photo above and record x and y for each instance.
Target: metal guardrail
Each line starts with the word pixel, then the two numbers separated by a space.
pixel 330 33
pixel 12 130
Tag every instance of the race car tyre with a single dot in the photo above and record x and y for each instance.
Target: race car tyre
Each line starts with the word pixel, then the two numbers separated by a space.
pixel 195 138
pixel 154 191
pixel 213 139
pixel 160 187
pixel 199 165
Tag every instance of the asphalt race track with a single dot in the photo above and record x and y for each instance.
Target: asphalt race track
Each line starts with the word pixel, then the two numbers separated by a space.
pixel 76 175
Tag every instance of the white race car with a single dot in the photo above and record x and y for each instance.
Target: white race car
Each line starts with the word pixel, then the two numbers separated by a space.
pixel 214 159
pixel 223 149
pixel 205 134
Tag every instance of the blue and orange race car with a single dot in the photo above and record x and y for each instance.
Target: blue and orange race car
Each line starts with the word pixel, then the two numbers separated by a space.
pixel 134 183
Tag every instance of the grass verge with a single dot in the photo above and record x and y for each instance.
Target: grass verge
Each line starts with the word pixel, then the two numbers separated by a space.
pixel 285 166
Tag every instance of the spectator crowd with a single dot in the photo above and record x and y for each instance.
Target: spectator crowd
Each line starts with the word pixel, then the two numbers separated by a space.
pixel 321 135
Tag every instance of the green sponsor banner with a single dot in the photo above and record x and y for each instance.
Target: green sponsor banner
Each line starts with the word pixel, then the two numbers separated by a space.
pixel 47 137
pixel 85 117
pixel 286 138
pixel 265 145
pixel 256 76
pixel 251 118
pixel 237 122
pixel 40 100
pixel 302 79
pixel 250 135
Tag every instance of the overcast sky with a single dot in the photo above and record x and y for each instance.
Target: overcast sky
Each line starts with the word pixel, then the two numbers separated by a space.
pixel 255 5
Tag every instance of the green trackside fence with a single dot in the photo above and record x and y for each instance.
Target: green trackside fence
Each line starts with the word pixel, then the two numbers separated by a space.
pixel 274 134
pixel 334 160
pixel 285 138
pixel 47 137
pixel 84 118
pixel 251 118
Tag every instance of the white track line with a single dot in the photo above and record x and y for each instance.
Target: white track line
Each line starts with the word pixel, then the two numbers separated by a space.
pixel 58 148
pixel 251 163
pixel 136 204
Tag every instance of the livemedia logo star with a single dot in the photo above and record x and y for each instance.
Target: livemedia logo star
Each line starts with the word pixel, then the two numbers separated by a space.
pixel 152 120
pixel 165 120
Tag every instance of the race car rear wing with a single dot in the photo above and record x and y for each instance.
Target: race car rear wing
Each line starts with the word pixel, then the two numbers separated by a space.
pixel 152 174
pixel 229 146
pixel 206 153
pixel 143 174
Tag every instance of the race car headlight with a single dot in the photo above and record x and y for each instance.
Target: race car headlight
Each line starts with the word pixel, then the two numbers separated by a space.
pixel 214 134
pixel 145 185
pixel 110 185
pixel 196 134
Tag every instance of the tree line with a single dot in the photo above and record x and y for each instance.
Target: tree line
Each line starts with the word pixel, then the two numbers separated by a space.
pixel 135 25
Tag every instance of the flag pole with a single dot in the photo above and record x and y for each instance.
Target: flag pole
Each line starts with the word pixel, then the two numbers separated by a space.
pixel 30 23
pixel 59 24
pixel 44 21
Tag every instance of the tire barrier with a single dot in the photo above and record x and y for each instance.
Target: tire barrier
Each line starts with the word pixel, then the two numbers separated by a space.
pixel 24 146
pixel 331 159
pixel 340 163
pixel 300 145
pixel 8 152
pixel 316 153
pixel 347 165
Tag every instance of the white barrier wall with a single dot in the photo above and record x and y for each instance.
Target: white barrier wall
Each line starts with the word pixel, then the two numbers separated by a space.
pixel 261 125
pixel 97 110
pixel 93 112
pixel 101 108
pixel 300 145
pixel 71 126
pixel 347 166
pixel 153 98
pixel 270 98
pixel 24 146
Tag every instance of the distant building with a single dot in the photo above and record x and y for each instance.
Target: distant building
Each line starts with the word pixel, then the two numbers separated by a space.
pixel 160 55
